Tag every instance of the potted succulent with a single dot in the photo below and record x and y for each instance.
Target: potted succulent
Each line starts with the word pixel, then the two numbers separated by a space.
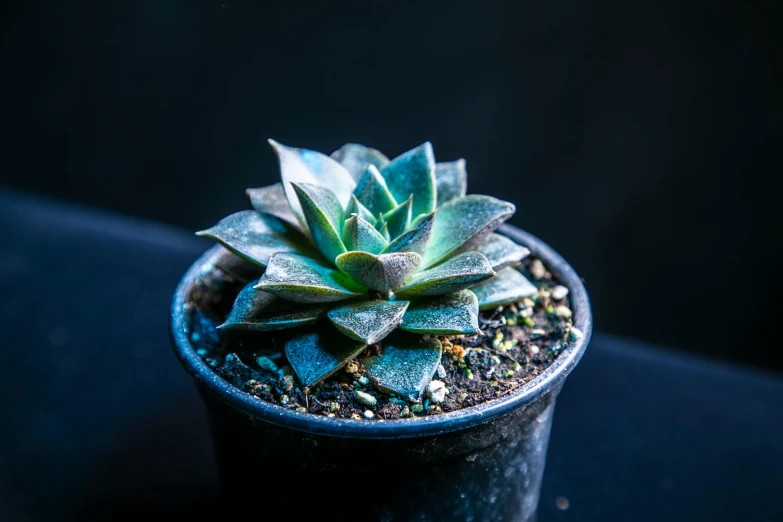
pixel 370 345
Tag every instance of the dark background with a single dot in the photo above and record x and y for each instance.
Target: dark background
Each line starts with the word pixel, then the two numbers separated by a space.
pixel 640 139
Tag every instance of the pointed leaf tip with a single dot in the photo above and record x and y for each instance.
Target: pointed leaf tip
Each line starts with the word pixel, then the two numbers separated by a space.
pixel 355 158
pixel 413 172
pixel 323 214
pixel 459 272
pixel 368 321
pixel 379 272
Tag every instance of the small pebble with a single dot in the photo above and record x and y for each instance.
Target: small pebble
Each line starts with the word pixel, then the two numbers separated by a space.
pixel 368 414
pixel 330 415
pixel 406 412
pixel 287 383
pixel 536 333
pixel 537 269
pixel 202 352
pixel 441 371
pixel 284 399
pixel 528 303
pixel 575 334
pixel 364 398
pixel 529 322
pixel 436 391
pixel 334 407
pixel 355 416
pixel 534 349
pixel 265 363
pixel 417 408
pixel 563 312
pixel 363 380
pixel 559 292
pixel 301 409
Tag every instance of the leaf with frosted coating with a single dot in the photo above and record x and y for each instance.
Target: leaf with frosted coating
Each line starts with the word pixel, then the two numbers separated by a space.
pixel 316 355
pixel 405 365
pixel 368 321
pixel 451 179
pixel 462 220
pixel 355 207
pixel 450 314
pixel 309 166
pixel 372 192
pixel 323 214
pixel 415 239
pixel 257 310
pixel 355 158
pixel 379 272
pixel 359 234
pixel 499 250
pixel 459 272
pixel 399 218
pixel 384 230
pixel 509 286
pixel 271 200
pixel 256 237
pixel 300 279
pixel 413 173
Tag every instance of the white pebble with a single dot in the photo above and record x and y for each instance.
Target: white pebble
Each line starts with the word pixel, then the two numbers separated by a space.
pixel 368 414
pixel 537 269
pixel 563 312
pixel 436 391
pixel 559 292
pixel 534 349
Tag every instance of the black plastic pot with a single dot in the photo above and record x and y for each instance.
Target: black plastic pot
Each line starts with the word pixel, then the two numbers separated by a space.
pixel 479 463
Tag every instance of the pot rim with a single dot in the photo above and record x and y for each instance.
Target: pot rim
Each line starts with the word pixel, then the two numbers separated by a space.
pixel 465 418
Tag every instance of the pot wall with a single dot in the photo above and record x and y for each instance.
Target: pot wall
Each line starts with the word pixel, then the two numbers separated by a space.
pixel 489 472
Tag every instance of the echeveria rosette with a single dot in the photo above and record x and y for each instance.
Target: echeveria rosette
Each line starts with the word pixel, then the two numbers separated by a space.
pixel 386 250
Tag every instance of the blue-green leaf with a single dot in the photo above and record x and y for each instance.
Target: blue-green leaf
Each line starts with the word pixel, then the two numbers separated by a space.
pixel 256 237
pixel 379 272
pixel 360 235
pixel 450 314
pixel 459 272
pixel 355 158
pixel 356 207
pixel 271 200
pixel 261 311
pixel 509 286
pixel 405 365
pixel 413 173
pixel 373 193
pixel 415 239
pixel 309 166
pixel 461 220
pixel 314 356
pixel 499 250
pixel 300 279
pixel 323 214
pixel 451 178
pixel 368 321
pixel 384 230
pixel 399 218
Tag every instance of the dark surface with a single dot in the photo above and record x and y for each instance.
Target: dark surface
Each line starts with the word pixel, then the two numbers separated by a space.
pixel 639 138
pixel 99 419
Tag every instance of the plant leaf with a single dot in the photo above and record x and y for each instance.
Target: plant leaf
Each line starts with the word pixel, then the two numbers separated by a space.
pixel 499 250
pixel 405 366
pixel 384 230
pixel 359 234
pixel 368 321
pixel 238 266
pixel 451 314
pixel 256 237
pixel 399 218
pixel 379 272
pixel 462 220
pixel 373 193
pixel 314 356
pixel 303 280
pixel 459 272
pixel 413 173
pixel 451 180
pixel 355 207
pixel 509 286
pixel 261 311
pixel 355 158
pixel 309 166
pixel 323 214
pixel 414 240
pixel 271 200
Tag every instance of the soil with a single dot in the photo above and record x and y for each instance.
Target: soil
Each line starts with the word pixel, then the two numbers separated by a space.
pixel 517 343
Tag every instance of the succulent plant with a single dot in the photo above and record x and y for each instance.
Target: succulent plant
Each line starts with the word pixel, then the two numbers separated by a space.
pixel 386 251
